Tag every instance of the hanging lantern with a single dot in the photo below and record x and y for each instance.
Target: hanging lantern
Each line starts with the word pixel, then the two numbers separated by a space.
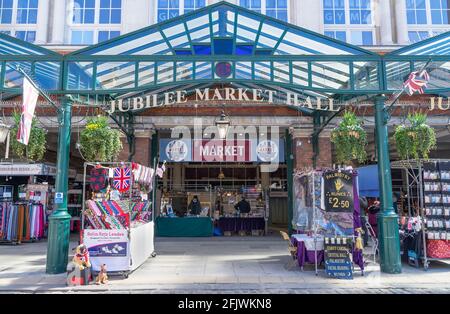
pixel 223 124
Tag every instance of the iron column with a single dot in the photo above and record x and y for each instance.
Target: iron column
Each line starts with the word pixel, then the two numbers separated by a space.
pixel 290 179
pixel 388 233
pixel 59 221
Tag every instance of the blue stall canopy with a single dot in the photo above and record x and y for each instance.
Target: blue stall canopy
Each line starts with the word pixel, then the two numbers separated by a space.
pixel 368 181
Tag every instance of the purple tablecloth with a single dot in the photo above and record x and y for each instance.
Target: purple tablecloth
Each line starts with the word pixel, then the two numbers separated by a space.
pixel 236 224
pixel 307 257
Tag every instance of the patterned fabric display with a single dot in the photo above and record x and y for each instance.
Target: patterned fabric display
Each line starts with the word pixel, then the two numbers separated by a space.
pixel 122 179
pixel 438 249
pixel 98 179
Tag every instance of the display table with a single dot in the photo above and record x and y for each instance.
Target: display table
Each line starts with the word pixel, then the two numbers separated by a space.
pixel 184 227
pixel 236 224
pixel 305 249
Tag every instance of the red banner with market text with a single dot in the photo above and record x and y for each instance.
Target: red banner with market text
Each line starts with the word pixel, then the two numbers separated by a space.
pixel 222 151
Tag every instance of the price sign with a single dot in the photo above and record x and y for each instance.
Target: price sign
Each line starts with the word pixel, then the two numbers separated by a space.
pixel 338 191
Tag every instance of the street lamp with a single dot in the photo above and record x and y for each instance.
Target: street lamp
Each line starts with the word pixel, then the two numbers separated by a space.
pixel 223 124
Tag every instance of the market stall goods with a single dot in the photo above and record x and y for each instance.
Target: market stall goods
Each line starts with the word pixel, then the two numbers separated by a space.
pixel 21 222
pixel 117 222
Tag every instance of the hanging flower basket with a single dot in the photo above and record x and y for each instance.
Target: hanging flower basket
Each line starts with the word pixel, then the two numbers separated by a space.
pixel 349 139
pixel 416 139
pixel 99 142
pixel 35 150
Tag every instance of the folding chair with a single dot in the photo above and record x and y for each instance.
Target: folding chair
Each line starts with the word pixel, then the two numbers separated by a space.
pixel 374 239
pixel 291 248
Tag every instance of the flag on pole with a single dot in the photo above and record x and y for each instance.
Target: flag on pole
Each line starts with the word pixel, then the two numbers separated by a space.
pixel 30 97
pixel 416 82
pixel 160 170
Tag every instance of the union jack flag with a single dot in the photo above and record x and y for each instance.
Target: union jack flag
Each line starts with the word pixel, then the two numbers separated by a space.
pixel 122 179
pixel 416 82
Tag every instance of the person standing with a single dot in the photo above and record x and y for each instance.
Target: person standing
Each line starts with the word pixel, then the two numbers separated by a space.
pixel 243 206
pixel 195 207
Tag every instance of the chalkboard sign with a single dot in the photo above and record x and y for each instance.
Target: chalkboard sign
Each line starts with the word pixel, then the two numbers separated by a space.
pixel 338 191
pixel 338 263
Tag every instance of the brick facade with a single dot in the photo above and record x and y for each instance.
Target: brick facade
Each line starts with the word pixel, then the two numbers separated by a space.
pixel 304 154
pixel 143 150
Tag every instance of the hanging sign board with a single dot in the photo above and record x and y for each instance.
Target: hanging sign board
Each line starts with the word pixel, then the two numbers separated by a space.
pixel 337 257
pixel 337 199
pixel 338 191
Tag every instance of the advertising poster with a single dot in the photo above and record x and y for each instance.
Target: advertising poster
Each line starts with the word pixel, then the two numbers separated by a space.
pixel 108 247
pixel 338 202
pixel 338 263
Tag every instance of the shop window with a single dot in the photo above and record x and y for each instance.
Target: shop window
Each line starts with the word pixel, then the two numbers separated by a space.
pixel 110 11
pixel 27 11
pixel 84 11
pixel 6 8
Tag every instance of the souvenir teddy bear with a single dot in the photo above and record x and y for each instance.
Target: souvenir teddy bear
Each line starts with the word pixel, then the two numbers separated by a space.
pixel 102 277
pixel 81 257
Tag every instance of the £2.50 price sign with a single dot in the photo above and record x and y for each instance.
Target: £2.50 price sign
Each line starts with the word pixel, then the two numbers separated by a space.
pixel 338 191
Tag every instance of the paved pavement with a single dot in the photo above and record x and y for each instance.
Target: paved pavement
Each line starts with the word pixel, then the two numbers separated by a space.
pixel 216 265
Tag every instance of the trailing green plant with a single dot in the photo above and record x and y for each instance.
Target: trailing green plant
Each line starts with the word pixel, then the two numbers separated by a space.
pixel 350 139
pixel 415 140
pixel 99 142
pixel 36 147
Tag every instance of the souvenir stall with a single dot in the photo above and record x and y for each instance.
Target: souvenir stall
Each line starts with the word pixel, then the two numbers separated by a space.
pixel 117 215
pixel 327 221
pixel 425 230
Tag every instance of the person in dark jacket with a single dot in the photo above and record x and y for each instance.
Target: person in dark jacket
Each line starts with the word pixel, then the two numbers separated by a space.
pixel 363 204
pixel 243 206
pixel 194 207
pixel 373 211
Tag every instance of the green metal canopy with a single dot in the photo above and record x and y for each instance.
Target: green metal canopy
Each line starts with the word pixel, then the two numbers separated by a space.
pixel 434 51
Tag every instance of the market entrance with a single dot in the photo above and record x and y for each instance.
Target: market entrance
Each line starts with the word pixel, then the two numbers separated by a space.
pixel 220 174
pixel 223 44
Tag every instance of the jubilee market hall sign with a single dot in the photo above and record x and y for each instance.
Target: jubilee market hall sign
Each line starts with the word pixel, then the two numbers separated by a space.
pixel 241 95
pixel 226 94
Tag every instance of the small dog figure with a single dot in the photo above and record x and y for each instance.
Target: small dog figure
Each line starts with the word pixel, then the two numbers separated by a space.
pixel 102 277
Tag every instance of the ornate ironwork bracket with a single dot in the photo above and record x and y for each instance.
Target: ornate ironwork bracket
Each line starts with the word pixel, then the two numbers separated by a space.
pixel 125 121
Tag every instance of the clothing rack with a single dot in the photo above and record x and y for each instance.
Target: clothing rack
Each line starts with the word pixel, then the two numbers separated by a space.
pixel 21 222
